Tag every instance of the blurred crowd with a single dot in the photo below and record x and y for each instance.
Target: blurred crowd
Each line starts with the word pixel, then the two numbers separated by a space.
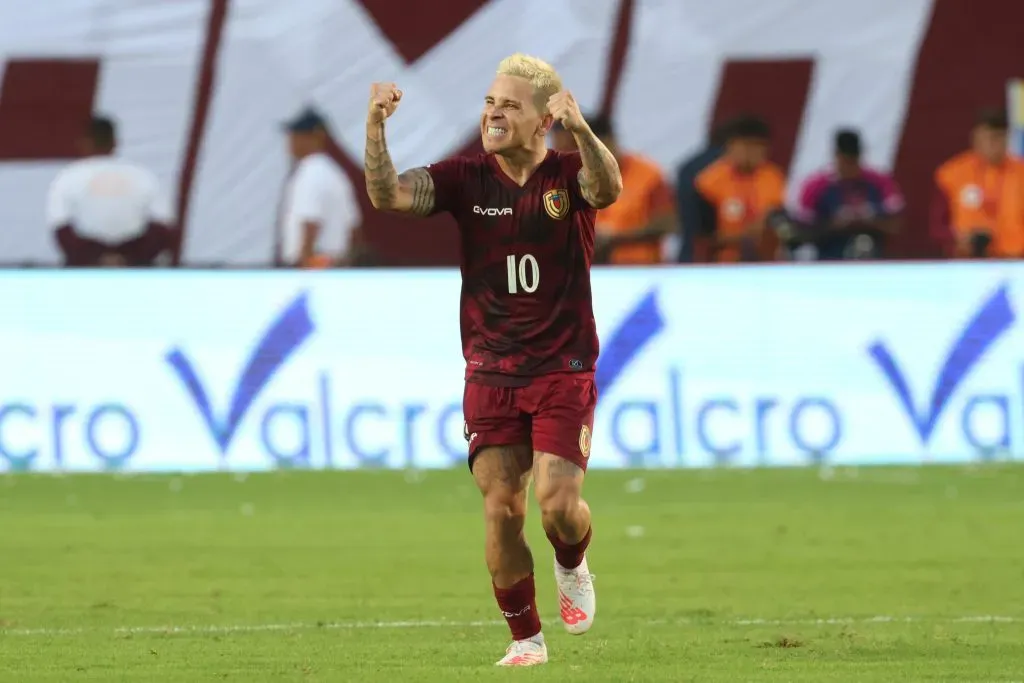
pixel 726 203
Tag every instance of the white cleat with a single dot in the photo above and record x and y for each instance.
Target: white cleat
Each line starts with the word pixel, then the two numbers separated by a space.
pixel 576 600
pixel 529 652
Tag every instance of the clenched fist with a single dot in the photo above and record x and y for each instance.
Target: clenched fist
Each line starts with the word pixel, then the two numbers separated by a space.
pixel 384 99
pixel 563 107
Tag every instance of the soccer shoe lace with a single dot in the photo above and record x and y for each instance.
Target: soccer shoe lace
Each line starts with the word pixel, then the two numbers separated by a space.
pixel 576 599
pixel 525 653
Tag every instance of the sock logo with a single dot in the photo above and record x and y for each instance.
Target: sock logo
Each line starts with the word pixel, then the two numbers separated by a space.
pixel 513 615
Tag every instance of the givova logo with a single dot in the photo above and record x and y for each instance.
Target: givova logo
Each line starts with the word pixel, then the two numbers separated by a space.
pixel 375 431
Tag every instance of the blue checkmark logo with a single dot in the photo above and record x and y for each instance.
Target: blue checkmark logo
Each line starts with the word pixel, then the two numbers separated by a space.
pixel 275 346
pixel 628 339
pixel 994 318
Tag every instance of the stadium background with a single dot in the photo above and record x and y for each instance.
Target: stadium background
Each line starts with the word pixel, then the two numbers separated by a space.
pixel 122 557
pixel 200 92
pixel 765 365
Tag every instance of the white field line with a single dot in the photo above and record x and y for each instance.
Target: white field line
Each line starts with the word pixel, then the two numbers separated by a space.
pixel 440 623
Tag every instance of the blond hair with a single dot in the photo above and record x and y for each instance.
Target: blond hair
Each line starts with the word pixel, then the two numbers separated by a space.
pixel 541 75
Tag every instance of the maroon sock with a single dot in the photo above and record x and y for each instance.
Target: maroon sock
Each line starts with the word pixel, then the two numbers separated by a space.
pixel 570 556
pixel 518 604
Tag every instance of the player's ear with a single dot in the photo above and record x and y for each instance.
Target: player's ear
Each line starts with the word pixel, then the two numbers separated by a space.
pixel 546 122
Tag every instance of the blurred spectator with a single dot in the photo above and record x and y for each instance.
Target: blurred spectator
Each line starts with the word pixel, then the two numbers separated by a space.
pixel 320 209
pixel 106 211
pixel 737 194
pixel 631 231
pixel 687 199
pixel 978 209
pixel 847 211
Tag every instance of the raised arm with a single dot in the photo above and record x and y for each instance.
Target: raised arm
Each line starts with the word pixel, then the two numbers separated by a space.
pixel 408 192
pixel 600 179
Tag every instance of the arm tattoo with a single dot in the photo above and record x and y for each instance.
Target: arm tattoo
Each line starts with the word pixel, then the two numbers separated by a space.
pixel 420 185
pixel 381 176
pixel 412 191
pixel 600 179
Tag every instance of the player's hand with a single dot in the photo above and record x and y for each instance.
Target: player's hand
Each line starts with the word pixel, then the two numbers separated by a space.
pixel 384 99
pixel 563 107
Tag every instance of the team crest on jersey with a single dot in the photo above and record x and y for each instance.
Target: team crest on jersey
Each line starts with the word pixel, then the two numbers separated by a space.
pixel 556 203
pixel 585 441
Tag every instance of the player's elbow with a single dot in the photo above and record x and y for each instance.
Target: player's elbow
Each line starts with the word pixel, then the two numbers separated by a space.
pixel 606 196
pixel 384 196
pixel 379 201
pixel 614 188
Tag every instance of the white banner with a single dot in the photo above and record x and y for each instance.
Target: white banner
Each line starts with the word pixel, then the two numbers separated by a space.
pixel 860 364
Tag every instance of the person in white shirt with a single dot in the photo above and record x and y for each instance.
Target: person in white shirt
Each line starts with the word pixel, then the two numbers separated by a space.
pixel 320 210
pixel 107 211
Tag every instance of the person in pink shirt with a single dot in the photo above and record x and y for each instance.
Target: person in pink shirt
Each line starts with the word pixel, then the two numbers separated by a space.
pixel 848 211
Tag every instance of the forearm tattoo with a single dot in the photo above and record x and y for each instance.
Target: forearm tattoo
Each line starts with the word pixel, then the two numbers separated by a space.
pixel 381 176
pixel 412 191
pixel 600 179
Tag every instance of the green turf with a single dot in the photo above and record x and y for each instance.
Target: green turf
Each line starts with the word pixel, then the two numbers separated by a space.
pixel 297 566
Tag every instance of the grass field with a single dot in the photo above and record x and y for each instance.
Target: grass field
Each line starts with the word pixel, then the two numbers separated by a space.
pixel 797 575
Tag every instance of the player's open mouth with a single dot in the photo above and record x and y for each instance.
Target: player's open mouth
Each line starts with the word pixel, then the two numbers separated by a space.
pixel 495 132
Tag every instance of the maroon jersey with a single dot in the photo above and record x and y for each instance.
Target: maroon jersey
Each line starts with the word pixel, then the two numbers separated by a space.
pixel 526 306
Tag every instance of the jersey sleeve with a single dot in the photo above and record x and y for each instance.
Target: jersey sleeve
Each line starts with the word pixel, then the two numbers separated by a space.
pixel 449 178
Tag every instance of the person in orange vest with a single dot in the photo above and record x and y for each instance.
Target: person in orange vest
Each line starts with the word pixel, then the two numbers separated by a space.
pixel 631 231
pixel 737 195
pixel 978 210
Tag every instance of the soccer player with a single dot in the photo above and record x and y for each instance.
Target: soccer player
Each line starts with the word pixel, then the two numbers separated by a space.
pixel 526 221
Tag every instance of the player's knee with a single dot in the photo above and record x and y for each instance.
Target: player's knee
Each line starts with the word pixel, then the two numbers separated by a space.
pixel 505 510
pixel 558 506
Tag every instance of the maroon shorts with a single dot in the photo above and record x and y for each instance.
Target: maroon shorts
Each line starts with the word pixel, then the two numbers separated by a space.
pixel 553 414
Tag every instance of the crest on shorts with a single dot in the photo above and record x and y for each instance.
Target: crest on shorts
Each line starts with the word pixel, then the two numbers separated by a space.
pixel 585 441
pixel 556 203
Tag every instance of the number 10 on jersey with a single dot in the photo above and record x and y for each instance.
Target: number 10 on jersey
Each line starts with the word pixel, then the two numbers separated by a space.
pixel 525 275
